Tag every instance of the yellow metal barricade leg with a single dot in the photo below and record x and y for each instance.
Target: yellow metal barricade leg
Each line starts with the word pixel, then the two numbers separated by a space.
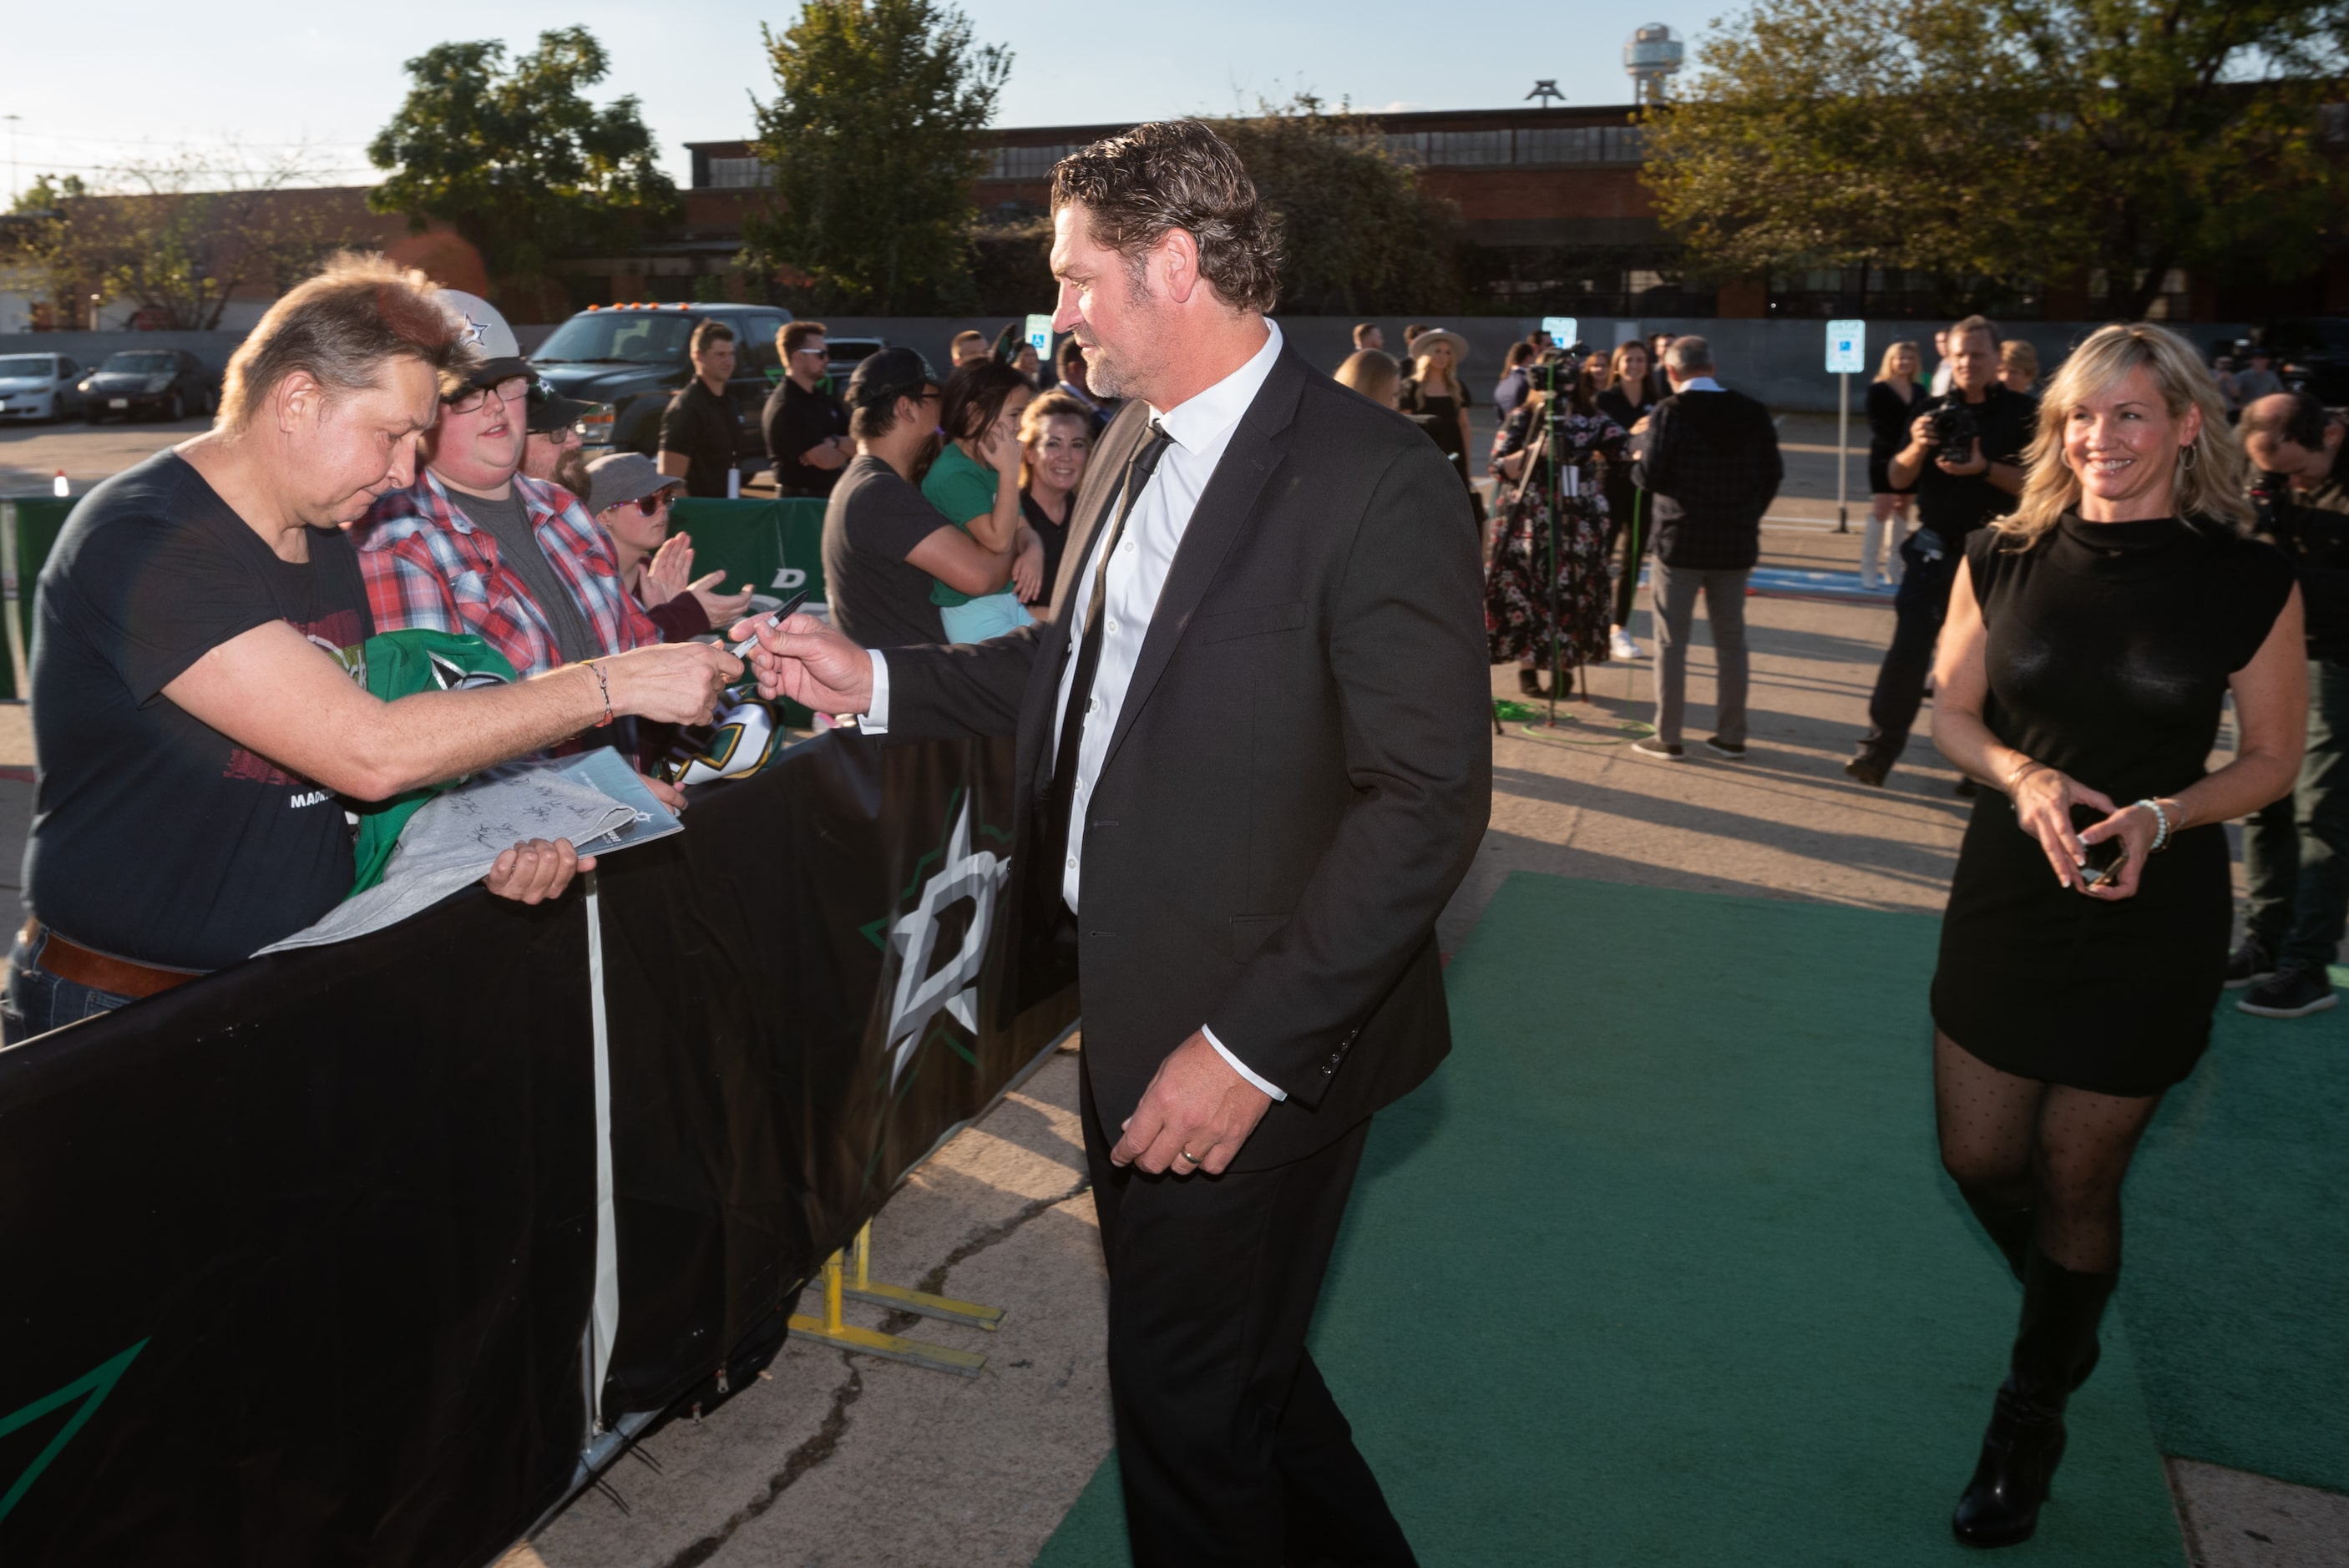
pixel 945 1308
pixel 830 1329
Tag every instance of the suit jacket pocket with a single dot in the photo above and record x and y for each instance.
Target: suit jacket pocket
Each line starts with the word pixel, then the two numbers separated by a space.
pixel 1253 622
pixel 1251 932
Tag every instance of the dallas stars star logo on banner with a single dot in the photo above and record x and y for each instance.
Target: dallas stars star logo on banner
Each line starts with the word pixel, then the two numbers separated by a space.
pixel 924 987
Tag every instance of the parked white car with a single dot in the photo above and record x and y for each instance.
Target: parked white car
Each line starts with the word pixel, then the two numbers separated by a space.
pixel 38 387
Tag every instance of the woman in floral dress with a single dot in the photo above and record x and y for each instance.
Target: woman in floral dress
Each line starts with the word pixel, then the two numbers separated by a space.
pixel 1517 620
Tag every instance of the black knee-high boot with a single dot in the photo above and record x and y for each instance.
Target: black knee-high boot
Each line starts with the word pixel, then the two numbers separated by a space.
pixel 2010 1227
pixel 2054 1349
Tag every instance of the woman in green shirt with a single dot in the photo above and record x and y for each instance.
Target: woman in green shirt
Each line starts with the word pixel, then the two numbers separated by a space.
pixel 974 482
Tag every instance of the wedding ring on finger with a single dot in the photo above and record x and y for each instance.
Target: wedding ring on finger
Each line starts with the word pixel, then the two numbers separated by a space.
pixel 1186 1154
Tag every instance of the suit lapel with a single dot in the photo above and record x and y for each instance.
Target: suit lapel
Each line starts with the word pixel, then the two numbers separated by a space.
pixel 1256 449
pixel 1095 496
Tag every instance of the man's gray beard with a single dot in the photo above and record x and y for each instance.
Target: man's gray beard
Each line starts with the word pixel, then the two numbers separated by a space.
pixel 571 471
pixel 1102 379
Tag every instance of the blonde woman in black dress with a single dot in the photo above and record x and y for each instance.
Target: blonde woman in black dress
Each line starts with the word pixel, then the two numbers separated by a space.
pixel 2092 639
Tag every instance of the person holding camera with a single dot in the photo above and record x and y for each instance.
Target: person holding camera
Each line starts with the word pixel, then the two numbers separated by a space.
pixel 2296 848
pixel 2095 638
pixel 1964 456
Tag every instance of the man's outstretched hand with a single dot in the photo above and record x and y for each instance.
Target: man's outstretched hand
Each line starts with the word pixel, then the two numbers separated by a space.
pixel 1195 1104
pixel 808 662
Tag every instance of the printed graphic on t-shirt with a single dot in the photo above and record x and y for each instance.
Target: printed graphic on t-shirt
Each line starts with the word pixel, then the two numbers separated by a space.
pixel 341 634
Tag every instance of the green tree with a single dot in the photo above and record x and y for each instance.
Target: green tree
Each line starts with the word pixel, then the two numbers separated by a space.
pixel 48 193
pixel 180 238
pixel 1999 142
pixel 873 136
pixel 1358 233
pixel 517 160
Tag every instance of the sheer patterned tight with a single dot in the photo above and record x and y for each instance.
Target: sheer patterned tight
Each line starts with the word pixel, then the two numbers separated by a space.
pixel 2018 1146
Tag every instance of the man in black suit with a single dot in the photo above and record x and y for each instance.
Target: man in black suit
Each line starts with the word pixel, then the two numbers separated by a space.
pixel 1257 728
pixel 1711 463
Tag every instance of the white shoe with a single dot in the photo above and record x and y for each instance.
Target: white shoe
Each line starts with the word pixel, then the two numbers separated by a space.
pixel 1621 645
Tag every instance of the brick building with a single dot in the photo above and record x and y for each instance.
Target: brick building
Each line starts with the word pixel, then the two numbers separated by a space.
pixel 1550 199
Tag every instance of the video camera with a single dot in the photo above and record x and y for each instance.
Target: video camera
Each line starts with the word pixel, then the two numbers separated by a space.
pixel 1554 372
pixel 1954 431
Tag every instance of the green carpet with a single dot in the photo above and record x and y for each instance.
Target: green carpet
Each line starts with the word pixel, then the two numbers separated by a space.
pixel 1662 1269
pixel 2237 1288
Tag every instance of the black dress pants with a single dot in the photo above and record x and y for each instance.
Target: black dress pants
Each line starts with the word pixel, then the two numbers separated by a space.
pixel 1231 1449
pixel 1920 605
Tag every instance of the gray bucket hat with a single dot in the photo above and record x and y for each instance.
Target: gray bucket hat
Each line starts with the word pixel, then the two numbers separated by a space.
pixel 617 478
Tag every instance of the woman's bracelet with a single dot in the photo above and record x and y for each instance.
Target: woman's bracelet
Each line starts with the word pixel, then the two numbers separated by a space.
pixel 604 687
pixel 2015 778
pixel 2161 820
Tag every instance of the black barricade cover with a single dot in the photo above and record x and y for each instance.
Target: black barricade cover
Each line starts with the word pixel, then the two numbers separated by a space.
pixel 296 1262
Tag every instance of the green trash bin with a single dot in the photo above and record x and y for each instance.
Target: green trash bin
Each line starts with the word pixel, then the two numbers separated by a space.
pixel 33 523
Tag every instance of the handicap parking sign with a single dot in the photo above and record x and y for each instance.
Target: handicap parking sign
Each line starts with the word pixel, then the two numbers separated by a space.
pixel 1847 347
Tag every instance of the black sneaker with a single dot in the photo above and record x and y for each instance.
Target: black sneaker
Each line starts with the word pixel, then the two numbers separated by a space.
pixel 1870 771
pixel 1661 750
pixel 2249 964
pixel 1734 750
pixel 2290 993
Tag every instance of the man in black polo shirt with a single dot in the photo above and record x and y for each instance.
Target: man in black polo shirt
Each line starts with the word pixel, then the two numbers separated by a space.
pixel 697 434
pixel 805 426
pixel 1954 499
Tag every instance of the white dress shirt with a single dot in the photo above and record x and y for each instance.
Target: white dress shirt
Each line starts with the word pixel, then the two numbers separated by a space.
pixel 1200 428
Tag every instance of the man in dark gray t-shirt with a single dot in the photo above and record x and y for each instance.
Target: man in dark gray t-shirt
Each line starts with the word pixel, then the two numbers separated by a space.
pixel 873 521
pixel 883 540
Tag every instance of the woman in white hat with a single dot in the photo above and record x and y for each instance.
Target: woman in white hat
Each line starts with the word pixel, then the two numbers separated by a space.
pixel 1435 398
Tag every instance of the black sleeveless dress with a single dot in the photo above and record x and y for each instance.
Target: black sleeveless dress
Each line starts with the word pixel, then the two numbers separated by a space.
pixel 2109 646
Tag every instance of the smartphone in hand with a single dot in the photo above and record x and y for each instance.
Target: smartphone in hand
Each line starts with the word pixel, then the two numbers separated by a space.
pixel 2104 861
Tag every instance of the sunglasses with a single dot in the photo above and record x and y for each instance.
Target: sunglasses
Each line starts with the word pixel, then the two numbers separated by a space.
pixel 653 505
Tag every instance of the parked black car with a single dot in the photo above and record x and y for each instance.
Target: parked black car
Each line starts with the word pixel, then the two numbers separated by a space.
pixel 631 358
pixel 169 383
pixel 844 354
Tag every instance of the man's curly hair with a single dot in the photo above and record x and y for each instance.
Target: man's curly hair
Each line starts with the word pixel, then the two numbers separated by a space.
pixel 1177 174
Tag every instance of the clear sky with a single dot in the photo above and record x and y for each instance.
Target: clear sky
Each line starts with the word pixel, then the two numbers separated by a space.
pixel 139 79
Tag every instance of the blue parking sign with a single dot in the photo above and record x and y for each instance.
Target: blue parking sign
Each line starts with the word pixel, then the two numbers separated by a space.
pixel 1846 347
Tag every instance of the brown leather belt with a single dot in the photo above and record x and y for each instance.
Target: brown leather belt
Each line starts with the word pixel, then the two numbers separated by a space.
pixel 117 976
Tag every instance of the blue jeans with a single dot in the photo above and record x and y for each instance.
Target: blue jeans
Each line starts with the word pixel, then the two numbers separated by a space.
pixel 36 1001
pixel 2296 849
pixel 988 616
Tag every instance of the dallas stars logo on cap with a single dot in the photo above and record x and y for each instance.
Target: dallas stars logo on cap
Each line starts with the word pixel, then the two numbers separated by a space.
pixel 475 331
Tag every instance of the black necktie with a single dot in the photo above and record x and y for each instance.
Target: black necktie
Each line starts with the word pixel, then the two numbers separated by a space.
pixel 1060 801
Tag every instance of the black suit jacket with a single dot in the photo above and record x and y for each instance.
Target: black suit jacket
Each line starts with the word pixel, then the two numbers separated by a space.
pixel 1301 769
pixel 1711 463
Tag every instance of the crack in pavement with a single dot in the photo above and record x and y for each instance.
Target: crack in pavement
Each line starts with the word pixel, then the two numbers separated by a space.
pixel 935 1282
pixel 820 1448
pixel 803 1458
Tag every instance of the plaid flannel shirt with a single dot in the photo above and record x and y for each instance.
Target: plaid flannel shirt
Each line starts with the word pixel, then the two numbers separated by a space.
pixel 425 565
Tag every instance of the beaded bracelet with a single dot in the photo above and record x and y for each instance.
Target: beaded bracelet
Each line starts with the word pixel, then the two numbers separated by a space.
pixel 2161 820
pixel 604 687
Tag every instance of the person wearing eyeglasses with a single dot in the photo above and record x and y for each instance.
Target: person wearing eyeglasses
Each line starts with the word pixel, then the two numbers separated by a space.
pixel 552 449
pixel 476 545
pixel 806 427
pixel 629 499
